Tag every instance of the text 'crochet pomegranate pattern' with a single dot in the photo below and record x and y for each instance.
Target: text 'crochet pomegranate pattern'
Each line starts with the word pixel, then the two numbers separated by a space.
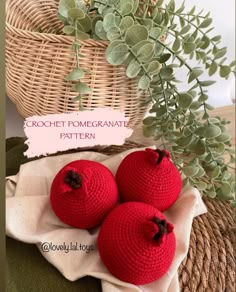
pixel 136 243
pixel 82 193
pixel 149 176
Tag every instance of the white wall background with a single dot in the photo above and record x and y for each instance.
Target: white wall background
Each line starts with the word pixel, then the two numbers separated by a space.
pixel 223 14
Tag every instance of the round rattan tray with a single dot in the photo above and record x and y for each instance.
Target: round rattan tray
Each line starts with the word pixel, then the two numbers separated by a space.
pixel 210 264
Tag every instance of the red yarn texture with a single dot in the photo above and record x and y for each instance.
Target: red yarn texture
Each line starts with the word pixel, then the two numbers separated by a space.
pixel 141 177
pixel 87 205
pixel 127 246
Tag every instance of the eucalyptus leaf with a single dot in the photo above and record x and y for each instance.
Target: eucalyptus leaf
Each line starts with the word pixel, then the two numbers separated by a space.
pixel 65 6
pixel 118 54
pixel 82 36
pixel 149 131
pixel 185 100
pixel 211 131
pixel 135 34
pixel 109 22
pixel 126 22
pixel 144 82
pixel 133 69
pixel 145 53
pixel 184 141
pixel 205 23
pixel 76 74
pixel 153 67
pixel 213 68
pixel 82 88
pixel 195 73
pixel 68 29
pixel 113 33
pixel 201 185
pixel 224 137
pixel 76 13
pixel 99 30
pixel 149 121
pixel 190 171
pixel 225 71
pixel 200 147
pixel 126 9
pixel 155 33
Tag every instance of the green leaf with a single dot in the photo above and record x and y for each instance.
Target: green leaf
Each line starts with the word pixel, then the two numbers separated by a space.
pixel 220 53
pixel 200 147
pixel 166 72
pixel 211 131
pixel 195 73
pixel 76 74
pixel 225 71
pixel 86 23
pixel 189 47
pixel 184 141
pixel 205 23
pixel 133 69
pixel 118 54
pixel 149 131
pixel 65 6
pixel 164 58
pixel 82 88
pixel 126 9
pixel 145 53
pixel 225 191
pixel 190 171
pixel 149 121
pixel 82 35
pixel 144 82
pixel 216 172
pixel 112 45
pixel 207 83
pixel 176 44
pixel 135 34
pixel 213 68
pixel 211 194
pixel 95 20
pixel 99 30
pixel 203 97
pixel 76 13
pixel 68 29
pixel 109 21
pixel 185 29
pixel 161 111
pixel 224 137
pixel 139 45
pixel 126 22
pixel 216 38
pixel 154 67
pixel 135 6
pixel 185 100
pixel 155 33
pixel 201 185
pixel 113 33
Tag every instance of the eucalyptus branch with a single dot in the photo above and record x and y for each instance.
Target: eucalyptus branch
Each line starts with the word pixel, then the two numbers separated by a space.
pixel 132 30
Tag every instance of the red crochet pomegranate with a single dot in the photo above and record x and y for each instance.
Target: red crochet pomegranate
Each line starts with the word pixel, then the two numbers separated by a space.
pixel 149 176
pixel 82 193
pixel 136 243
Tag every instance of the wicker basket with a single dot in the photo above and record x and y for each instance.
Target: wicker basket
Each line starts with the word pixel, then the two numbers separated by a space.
pixel 37 63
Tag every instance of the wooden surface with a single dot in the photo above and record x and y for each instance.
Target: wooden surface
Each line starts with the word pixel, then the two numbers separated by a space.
pixel 227 112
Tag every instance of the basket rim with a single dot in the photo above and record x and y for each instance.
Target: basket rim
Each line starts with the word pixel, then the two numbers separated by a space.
pixel 52 37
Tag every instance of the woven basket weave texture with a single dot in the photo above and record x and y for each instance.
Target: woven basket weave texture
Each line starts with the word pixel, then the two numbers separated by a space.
pixel 37 63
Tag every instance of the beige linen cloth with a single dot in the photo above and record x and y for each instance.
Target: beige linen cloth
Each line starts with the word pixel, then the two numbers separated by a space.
pixel 29 218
